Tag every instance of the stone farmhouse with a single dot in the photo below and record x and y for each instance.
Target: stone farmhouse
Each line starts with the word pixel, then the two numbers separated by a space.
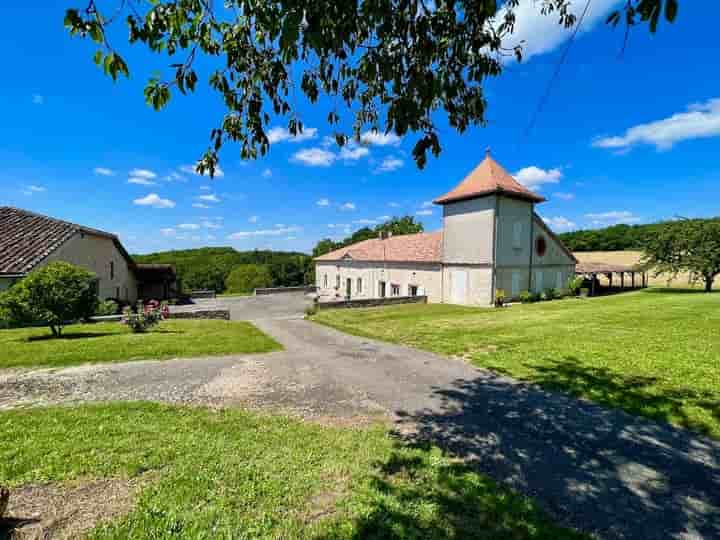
pixel 491 240
pixel 29 241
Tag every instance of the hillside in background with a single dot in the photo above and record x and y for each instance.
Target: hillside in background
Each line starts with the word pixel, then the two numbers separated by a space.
pixel 615 238
pixel 207 268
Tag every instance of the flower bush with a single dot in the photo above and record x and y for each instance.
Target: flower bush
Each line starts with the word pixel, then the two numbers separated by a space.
pixel 145 316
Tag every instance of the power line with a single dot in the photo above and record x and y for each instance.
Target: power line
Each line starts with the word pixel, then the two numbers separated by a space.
pixel 556 73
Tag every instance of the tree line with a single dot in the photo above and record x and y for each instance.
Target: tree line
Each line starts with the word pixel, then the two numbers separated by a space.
pixel 210 268
pixel 395 225
pixel 617 237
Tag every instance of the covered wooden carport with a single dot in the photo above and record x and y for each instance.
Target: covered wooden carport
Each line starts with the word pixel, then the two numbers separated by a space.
pixel 591 270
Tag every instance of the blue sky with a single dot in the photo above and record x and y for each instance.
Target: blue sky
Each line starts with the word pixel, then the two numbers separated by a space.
pixel 621 139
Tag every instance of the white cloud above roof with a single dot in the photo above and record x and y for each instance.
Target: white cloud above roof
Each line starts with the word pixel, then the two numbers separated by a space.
pixel 154 200
pixel 377 138
pixel 534 177
pixel 280 134
pixel 103 171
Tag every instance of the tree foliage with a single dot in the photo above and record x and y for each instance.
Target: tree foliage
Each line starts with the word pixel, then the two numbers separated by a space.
pixel 384 65
pixel 52 295
pixel 396 226
pixel 248 277
pixel 686 246
pixel 208 268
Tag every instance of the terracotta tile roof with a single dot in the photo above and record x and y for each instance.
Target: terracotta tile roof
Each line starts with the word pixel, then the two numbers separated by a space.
pixel 487 178
pixel 27 238
pixel 417 248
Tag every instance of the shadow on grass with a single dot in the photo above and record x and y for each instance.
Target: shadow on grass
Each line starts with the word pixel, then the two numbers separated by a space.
pixel 673 290
pixel 416 496
pixel 633 393
pixel 591 467
pixel 70 336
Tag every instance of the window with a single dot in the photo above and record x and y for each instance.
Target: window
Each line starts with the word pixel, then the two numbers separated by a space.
pixel 325 281
pixel 112 270
pixel 359 285
pixel 337 282
pixel 559 279
pixel 517 235
pixel 413 290
pixel 117 292
pixel 394 290
pixel 381 291
pixel 515 288
pixel 540 246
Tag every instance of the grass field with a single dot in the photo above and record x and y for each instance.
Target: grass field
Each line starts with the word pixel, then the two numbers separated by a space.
pixel 653 352
pixel 114 342
pixel 231 474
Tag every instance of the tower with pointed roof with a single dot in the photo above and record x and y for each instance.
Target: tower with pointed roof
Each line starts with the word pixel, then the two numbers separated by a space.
pixel 493 239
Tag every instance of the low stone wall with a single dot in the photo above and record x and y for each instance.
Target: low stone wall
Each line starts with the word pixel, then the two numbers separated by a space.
pixel 372 302
pixel 281 290
pixel 223 314
pixel 202 294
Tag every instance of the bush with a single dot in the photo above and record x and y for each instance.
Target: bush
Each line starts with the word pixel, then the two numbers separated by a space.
pixel 499 298
pixel 144 317
pixel 248 277
pixel 108 307
pixel 310 311
pixel 53 295
pixel 574 284
pixel 525 297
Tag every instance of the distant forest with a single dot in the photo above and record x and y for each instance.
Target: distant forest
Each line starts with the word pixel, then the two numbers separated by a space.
pixel 208 268
pixel 615 238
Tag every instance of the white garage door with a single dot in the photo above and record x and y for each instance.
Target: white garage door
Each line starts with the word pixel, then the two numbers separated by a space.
pixel 458 286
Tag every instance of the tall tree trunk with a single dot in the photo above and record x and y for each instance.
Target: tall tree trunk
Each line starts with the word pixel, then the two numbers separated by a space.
pixel 709 283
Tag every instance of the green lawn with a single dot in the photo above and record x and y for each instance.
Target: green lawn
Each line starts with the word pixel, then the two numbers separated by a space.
pixel 231 474
pixel 654 352
pixel 114 342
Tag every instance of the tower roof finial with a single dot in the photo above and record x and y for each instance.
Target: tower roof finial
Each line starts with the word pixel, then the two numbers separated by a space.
pixel 487 151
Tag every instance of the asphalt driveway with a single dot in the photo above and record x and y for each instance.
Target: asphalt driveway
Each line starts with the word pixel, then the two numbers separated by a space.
pixel 595 469
pixel 250 308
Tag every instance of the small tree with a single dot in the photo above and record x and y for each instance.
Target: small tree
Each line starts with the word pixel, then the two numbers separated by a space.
pixel 686 246
pixel 53 295
pixel 247 277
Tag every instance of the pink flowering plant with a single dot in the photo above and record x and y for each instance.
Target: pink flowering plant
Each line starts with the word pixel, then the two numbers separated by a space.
pixel 145 316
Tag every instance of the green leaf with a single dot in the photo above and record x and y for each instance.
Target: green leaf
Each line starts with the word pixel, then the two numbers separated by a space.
pixel 671 10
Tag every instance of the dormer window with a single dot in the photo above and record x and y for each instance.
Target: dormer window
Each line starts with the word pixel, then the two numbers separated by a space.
pixel 517 235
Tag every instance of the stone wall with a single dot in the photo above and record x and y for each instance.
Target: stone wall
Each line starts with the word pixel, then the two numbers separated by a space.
pixel 223 314
pixel 281 290
pixel 372 302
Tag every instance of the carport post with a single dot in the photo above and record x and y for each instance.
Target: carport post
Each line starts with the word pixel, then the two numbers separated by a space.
pixel 622 280
pixel 610 274
pixel 592 283
pixel 632 275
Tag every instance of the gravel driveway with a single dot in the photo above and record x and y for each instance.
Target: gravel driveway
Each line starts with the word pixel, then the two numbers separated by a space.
pixel 599 470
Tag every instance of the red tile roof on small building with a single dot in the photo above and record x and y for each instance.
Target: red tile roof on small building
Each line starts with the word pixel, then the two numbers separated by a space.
pixel 414 248
pixel 27 238
pixel 486 179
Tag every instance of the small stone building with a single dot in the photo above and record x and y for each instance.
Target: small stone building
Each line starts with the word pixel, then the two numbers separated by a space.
pixel 29 241
pixel 491 240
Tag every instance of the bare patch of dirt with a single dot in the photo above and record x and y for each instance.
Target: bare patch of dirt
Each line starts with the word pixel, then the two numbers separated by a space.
pixel 323 504
pixel 68 511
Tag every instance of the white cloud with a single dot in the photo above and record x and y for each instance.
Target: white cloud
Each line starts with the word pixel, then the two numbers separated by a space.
pixel 424 212
pixel 175 177
pixel 338 225
pixel 103 171
pixel 37 99
pixel 323 202
pixel 383 218
pixel 210 197
pixel 564 196
pixel 280 134
pixel 29 190
pixel 351 152
pixel 389 164
pixel 205 188
pixel 380 139
pixel 394 205
pixel 253 219
pixel 190 169
pixel 365 222
pixel 612 217
pixel 540 33
pixel 141 181
pixel 200 205
pixel 559 223
pixel 533 177
pixel 701 120
pixel 154 200
pixel 426 204
pixel 168 231
pixel 264 232
pixel 211 225
pixel 210 237
pixel 143 173
pixel 189 226
pixel 348 206
pixel 314 157
pixel 267 173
